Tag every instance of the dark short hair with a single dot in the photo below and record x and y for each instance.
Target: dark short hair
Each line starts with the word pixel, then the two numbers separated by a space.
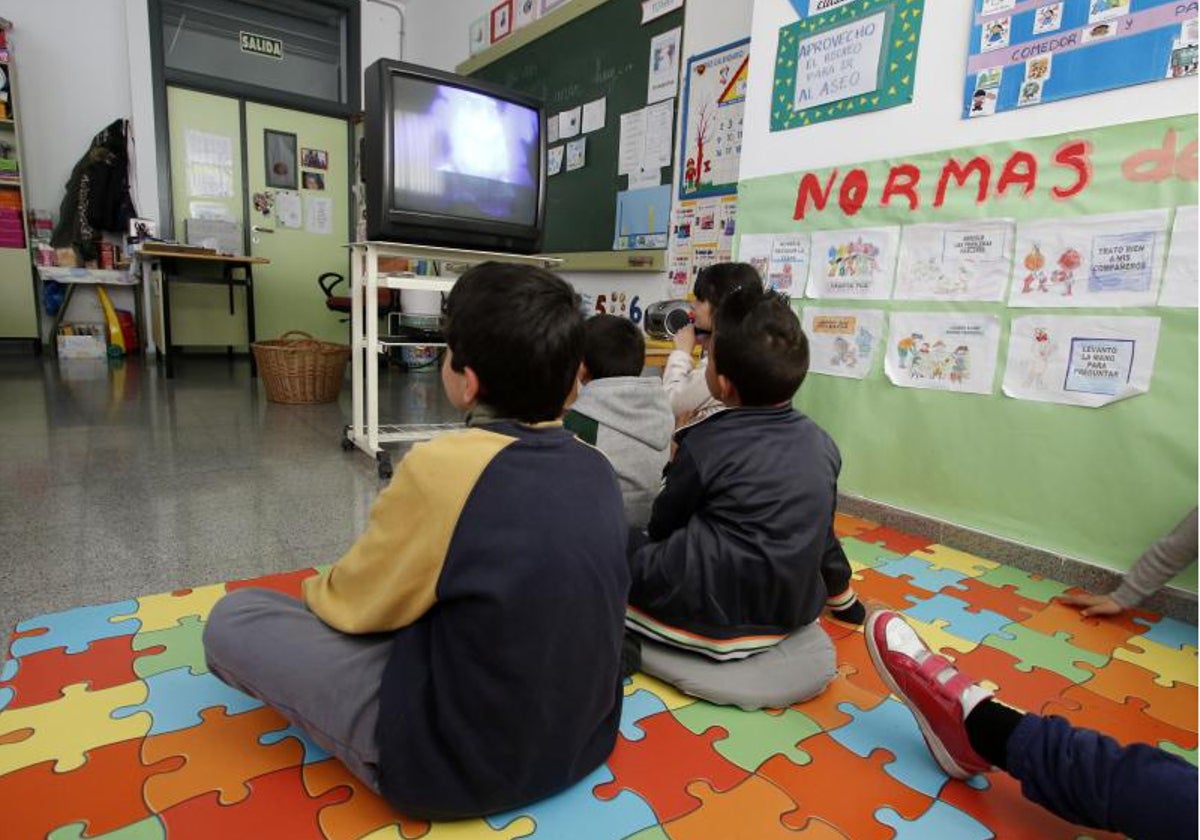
pixel 613 346
pixel 759 346
pixel 520 329
pixel 718 281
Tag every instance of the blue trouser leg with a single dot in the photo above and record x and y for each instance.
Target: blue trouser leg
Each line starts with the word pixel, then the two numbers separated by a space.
pixel 1090 779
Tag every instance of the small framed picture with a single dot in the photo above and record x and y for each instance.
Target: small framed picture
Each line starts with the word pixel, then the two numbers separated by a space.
pixel 545 6
pixel 280 160
pixel 479 34
pixel 314 181
pixel 314 158
pixel 525 12
pixel 143 229
pixel 502 20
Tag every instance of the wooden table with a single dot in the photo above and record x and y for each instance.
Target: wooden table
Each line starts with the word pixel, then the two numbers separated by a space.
pixel 176 264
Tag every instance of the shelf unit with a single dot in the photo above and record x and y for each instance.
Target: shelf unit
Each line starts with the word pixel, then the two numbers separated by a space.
pixel 18 296
pixel 365 431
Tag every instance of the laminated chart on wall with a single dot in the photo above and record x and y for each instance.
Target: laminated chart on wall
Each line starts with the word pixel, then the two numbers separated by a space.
pixel 1087 361
pixel 1028 53
pixel 955 261
pixel 843 342
pixel 714 102
pixel 1114 259
pixel 643 218
pixel 943 351
pixel 1182 277
pixel 853 58
pixel 702 233
pixel 856 263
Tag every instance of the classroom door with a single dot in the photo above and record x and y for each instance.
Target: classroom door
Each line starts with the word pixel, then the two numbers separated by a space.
pixel 212 178
pixel 298 173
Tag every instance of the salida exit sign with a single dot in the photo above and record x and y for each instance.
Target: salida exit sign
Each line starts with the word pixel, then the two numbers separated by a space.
pixel 261 45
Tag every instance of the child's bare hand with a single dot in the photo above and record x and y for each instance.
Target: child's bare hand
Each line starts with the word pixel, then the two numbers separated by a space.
pixel 685 339
pixel 1093 605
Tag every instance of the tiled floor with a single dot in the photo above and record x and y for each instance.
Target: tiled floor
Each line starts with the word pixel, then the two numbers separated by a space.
pixel 116 481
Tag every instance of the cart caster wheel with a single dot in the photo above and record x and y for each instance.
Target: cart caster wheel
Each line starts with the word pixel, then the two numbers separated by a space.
pixel 385 465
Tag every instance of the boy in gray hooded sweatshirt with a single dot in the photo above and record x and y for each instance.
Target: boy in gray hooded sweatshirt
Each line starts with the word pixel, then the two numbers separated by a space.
pixel 625 415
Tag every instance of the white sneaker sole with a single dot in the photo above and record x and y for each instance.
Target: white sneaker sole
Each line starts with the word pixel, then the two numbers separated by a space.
pixel 940 754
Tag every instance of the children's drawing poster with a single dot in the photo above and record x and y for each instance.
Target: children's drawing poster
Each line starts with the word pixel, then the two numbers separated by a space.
pixel 1114 259
pixel 843 342
pixel 852 58
pixel 1087 361
pixel 943 351
pixel 714 101
pixel 958 261
pixel 853 263
pixel 755 249
pixel 643 217
pixel 1027 53
pixel 1182 277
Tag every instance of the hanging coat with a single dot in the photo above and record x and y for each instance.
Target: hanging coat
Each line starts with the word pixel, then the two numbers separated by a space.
pixel 97 198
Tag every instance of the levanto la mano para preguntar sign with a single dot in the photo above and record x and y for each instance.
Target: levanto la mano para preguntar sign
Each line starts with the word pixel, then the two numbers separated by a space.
pixel 261 45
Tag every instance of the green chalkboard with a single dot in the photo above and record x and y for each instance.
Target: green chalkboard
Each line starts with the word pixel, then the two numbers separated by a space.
pixel 568 59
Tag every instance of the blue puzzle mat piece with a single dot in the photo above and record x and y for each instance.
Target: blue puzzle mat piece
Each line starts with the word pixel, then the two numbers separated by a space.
pixel 313 752
pixel 941 820
pixel 922 573
pixel 638 706
pixel 578 814
pixel 177 697
pixel 891 726
pixel 1170 632
pixel 965 624
pixel 6 675
pixel 75 629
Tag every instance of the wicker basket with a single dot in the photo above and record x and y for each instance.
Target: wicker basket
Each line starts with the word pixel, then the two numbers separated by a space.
pixel 301 370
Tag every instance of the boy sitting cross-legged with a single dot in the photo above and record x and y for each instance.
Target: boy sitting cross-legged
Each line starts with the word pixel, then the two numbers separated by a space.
pixel 741 556
pixel 463 657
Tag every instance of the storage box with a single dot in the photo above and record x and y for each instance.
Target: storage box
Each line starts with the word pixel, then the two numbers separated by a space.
pixel 82 346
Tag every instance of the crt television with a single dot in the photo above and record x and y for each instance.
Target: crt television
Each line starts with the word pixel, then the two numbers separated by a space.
pixel 452 161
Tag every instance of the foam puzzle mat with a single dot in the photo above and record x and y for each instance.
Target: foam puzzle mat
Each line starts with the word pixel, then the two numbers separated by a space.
pixel 111 726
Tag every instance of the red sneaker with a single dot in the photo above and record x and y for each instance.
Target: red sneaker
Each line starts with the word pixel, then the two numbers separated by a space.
pixel 938 695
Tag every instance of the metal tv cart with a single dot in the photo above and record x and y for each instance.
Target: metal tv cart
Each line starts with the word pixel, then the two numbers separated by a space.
pixel 365 431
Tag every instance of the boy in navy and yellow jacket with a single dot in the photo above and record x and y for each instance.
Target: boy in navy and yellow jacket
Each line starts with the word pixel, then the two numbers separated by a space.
pixel 463 657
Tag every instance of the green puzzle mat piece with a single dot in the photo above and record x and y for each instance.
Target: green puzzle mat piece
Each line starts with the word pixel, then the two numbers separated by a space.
pixel 150 828
pixel 1187 755
pixel 1026 586
pixel 1054 653
pixel 184 645
pixel 867 554
pixel 753 736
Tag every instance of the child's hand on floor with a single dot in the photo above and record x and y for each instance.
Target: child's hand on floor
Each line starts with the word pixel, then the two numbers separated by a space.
pixel 1093 605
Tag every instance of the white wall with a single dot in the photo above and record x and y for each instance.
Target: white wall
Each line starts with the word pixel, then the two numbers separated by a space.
pixel 73 79
pixel 932 121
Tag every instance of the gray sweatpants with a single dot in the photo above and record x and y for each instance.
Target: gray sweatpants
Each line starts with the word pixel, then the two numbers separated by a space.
pixel 796 669
pixel 326 682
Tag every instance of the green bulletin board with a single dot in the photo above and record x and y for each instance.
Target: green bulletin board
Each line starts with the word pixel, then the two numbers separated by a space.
pixel 603 52
pixel 1096 484
pixel 859 57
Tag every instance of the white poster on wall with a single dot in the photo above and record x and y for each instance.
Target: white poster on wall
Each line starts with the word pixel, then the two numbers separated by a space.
pixel 1110 260
pixel 1182 277
pixel 788 268
pixel 944 351
pixel 1088 361
pixel 843 342
pixel 853 263
pixel 840 63
pixel 663 79
pixel 964 261
pixel 755 249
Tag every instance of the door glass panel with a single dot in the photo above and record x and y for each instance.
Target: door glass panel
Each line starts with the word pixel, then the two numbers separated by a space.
pixel 301 50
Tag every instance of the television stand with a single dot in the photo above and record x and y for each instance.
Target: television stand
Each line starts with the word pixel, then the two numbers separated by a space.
pixel 365 431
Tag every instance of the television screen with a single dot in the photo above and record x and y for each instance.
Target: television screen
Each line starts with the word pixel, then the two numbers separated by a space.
pixel 463 154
